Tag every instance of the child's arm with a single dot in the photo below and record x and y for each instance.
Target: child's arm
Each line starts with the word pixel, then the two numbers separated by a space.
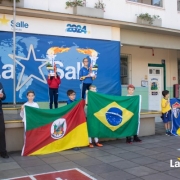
pixel 164 103
pixel 22 111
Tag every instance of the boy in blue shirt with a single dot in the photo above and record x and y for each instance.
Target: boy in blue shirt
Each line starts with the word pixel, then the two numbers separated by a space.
pixel 85 77
pixel 72 96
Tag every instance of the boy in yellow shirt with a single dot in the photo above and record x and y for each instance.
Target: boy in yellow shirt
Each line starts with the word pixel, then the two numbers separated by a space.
pixel 166 111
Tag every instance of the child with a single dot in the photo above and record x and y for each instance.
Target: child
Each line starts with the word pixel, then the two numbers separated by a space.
pixel 53 83
pixel 31 103
pixel 72 96
pixel 166 111
pixel 130 90
pixel 94 89
pixel 85 77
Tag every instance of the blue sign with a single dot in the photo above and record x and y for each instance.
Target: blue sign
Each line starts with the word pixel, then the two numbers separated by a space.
pixel 34 51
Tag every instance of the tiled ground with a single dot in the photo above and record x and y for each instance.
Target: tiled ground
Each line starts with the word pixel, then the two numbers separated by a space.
pixel 149 160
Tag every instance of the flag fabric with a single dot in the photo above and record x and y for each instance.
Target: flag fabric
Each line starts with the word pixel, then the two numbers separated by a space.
pixel 113 116
pixel 175 116
pixel 49 131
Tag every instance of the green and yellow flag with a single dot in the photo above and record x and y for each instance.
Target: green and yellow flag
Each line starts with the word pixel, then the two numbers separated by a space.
pixel 113 116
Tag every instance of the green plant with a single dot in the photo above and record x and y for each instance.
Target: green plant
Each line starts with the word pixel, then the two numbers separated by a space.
pixel 148 17
pixel 100 5
pixel 48 64
pixel 74 3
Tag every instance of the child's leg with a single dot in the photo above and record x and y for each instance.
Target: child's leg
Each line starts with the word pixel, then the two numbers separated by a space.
pixel 50 98
pixel 90 140
pixel 97 142
pixel 55 98
pixel 90 143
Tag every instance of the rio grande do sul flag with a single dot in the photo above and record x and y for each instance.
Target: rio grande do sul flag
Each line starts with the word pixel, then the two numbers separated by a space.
pixel 49 131
pixel 113 116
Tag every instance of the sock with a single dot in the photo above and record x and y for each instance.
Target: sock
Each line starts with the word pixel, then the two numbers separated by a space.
pixel 167 130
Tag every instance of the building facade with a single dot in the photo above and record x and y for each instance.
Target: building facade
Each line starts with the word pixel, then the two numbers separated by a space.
pixel 148 31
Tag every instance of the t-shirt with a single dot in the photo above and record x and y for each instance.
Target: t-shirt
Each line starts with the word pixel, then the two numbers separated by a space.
pixel 165 108
pixel 69 101
pixel 33 104
pixel 84 72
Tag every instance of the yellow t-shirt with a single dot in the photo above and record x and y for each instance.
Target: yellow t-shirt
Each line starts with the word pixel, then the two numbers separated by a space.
pixel 165 108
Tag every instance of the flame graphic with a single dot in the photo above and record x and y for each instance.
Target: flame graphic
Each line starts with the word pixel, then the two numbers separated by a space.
pixel 90 52
pixel 56 50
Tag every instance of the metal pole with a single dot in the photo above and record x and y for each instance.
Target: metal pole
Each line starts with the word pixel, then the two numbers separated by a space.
pixel 14 52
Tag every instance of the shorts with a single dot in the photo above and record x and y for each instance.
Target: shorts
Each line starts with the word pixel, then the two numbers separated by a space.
pixel 166 117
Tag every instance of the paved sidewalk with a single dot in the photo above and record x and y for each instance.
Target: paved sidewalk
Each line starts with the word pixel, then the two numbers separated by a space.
pixel 149 160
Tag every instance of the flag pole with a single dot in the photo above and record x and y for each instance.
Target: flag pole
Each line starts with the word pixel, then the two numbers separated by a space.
pixel 14 52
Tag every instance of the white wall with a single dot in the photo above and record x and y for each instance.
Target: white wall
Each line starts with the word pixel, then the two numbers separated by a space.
pixel 121 10
pixel 141 58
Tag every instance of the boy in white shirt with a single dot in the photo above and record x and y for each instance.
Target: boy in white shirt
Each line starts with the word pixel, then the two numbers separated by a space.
pixel 94 89
pixel 130 90
pixel 30 102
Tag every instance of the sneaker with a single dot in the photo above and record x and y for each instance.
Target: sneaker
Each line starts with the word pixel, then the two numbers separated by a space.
pixel 128 140
pixel 76 149
pixel 170 134
pixel 99 145
pixel 5 155
pixel 167 133
pixel 91 145
pixel 136 139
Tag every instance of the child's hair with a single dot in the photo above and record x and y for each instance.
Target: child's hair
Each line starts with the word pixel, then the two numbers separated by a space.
pixel 92 86
pixel 70 91
pixel 130 86
pixel 165 92
pixel 30 92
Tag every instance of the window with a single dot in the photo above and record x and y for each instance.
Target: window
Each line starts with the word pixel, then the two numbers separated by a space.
pixel 178 5
pixel 125 69
pixel 150 2
pixel 178 71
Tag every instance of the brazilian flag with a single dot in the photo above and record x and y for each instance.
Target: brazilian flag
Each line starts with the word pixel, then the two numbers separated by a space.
pixel 113 116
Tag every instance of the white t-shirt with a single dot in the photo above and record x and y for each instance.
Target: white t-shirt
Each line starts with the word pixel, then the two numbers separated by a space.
pixel 33 104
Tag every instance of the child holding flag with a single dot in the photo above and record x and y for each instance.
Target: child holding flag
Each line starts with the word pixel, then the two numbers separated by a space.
pixel 94 89
pixel 30 102
pixel 72 97
pixel 130 90
pixel 166 111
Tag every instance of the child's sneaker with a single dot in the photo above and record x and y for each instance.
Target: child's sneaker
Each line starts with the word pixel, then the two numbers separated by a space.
pixel 136 139
pixel 167 133
pixel 91 145
pixel 128 140
pixel 170 134
pixel 76 149
pixel 99 145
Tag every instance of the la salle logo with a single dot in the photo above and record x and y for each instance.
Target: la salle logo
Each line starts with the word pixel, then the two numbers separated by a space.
pixel 58 128
pixel 175 164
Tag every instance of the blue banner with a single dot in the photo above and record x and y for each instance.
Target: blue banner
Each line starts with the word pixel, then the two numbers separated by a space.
pixel 34 50
pixel 175 105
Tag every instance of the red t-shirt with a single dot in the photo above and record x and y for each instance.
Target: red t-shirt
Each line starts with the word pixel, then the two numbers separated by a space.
pixel 54 82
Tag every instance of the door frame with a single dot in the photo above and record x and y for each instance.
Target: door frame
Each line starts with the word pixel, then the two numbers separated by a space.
pixel 164 71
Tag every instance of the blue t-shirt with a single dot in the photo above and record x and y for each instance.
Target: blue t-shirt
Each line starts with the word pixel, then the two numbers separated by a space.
pixel 69 101
pixel 84 72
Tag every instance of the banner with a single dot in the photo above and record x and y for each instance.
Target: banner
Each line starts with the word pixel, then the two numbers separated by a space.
pixel 33 51
pixel 112 116
pixel 175 105
pixel 49 131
